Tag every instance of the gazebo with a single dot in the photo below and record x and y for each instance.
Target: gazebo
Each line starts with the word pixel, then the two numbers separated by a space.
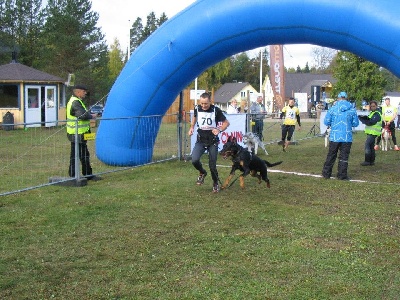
pixel 33 97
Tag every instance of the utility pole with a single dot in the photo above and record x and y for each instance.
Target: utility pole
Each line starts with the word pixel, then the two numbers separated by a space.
pixel 260 71
pixel 129 40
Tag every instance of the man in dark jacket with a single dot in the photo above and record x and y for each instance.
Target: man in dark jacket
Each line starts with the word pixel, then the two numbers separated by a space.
pixel 210 122
pixel 373 129
pixel 258 113
pixel 78 118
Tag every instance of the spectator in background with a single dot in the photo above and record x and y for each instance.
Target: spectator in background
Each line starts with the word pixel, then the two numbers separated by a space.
pixel 258 112
pixel 233 107
pixel 373 129
pixel 291 115
pixel 341 118
pixel 398 116
pixel 313 112
pixel 324 99
pixel 364 105
pixel 389 114
pixel 33 102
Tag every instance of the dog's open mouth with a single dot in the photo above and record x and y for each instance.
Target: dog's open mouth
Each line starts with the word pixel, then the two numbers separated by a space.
pixel 226 154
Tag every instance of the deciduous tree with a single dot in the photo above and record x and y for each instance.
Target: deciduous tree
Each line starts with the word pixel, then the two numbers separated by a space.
pixel 361 79
pixel 323 57
pixel 115 61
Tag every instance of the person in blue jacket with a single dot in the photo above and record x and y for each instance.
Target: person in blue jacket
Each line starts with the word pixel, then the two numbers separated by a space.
pixel 341 118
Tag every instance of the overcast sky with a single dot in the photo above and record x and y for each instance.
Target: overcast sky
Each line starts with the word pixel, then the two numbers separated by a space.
pixel 116 18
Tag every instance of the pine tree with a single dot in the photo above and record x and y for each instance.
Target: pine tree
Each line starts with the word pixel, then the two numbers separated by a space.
pixel 136 34
pixel 72 43
pixel 139 33
pixel 29 24
pixel 306 69
pixel 20 23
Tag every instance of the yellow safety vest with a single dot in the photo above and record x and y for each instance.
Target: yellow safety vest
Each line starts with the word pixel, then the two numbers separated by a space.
pixel 374 129
pixel 83 125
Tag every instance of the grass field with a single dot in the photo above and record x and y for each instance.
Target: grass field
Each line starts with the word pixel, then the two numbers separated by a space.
pixel 151 233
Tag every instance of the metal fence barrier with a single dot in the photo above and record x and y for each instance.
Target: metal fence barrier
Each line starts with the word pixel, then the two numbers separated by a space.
pixel 34 155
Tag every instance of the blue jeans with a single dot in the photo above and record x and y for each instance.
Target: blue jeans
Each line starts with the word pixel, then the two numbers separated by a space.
pixel 369 148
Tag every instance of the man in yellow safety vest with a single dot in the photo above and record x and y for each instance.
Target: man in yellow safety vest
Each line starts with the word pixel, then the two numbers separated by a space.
pixel 78 119
pixel 373 129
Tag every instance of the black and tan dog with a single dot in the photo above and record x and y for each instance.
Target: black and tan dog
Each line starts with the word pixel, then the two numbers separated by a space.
pixel 246 162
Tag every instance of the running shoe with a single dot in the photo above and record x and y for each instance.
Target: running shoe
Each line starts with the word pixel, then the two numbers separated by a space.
pixel 200 179
pixel 215 188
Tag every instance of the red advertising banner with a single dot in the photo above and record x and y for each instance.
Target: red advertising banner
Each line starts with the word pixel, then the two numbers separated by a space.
pixel 277 75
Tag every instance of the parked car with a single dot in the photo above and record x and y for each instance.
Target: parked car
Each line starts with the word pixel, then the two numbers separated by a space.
pixel 97 110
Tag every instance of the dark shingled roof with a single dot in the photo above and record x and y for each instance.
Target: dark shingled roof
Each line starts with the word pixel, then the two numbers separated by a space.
pixel 302 82
pixel 228 90
pixel 392 94
pixel 17 72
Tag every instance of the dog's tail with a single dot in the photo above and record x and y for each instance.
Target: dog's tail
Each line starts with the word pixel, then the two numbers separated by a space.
pixel 273 164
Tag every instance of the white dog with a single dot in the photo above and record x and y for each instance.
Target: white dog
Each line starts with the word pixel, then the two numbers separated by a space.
pixel 252 142
pixel 386 139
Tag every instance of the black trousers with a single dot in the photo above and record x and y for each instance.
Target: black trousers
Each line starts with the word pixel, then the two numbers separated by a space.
pixel 344 151
pixel 84 157
pixel 287 132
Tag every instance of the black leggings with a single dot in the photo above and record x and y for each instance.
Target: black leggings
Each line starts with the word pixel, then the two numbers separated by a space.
pixel 287 132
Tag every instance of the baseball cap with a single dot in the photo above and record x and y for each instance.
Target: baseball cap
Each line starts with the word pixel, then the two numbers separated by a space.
pixel 342 95
pixel 80 87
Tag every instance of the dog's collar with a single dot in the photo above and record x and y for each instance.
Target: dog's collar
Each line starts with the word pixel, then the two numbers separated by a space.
pixel 243 149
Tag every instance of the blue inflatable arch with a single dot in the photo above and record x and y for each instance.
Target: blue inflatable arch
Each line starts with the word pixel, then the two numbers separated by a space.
pixel 209 31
